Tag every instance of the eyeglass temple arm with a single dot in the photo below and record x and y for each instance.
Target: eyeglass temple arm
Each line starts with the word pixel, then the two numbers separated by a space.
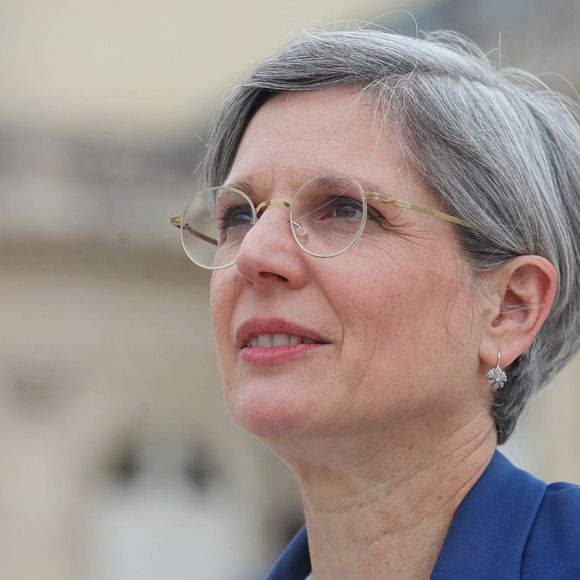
pixel 176 221
pixel 415 207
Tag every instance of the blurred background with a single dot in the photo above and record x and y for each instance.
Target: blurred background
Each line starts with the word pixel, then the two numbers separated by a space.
pixel 117 458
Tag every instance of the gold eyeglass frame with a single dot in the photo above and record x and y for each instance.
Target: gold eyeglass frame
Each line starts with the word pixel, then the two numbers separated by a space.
pixel 177 220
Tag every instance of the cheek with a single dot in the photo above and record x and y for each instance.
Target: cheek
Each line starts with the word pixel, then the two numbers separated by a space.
pixel 400 313
pixel 222 300
pixel 365 297
pixel 364 304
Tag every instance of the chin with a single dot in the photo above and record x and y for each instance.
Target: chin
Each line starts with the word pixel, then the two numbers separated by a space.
pixel 266 412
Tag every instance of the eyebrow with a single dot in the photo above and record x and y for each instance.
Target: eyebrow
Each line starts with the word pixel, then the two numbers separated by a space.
pixel 368 186
pixel 243 186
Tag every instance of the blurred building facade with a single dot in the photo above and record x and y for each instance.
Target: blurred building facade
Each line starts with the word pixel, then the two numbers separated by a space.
pixel 117 457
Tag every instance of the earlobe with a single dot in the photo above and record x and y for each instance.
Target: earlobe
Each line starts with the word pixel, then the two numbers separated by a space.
pixel 524 289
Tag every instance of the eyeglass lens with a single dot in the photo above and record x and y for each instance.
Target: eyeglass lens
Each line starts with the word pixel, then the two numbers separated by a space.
pixel 327 216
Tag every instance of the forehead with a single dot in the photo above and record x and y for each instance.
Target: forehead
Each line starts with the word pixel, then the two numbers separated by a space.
pixel 295 136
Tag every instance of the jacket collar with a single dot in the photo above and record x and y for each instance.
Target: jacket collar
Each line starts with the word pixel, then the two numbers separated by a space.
pixel 490 528
pixel 488 532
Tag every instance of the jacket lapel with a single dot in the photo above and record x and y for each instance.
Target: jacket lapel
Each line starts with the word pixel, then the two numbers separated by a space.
pixel 490 528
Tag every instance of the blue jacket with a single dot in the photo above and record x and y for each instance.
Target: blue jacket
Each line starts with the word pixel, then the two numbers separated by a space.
pixel 509 526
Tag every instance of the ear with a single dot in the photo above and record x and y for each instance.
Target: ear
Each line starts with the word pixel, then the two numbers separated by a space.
pixel 522 292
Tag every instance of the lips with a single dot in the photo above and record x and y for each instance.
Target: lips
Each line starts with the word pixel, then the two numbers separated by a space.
pixel 275 333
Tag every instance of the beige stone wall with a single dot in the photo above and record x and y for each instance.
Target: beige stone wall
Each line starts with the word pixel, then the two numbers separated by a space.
pixel 109 351
pixel 547 439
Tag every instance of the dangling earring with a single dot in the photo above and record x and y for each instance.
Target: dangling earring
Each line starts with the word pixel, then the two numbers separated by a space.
pixel 496 377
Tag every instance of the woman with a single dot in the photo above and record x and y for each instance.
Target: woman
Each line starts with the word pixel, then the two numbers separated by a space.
pixel 393 228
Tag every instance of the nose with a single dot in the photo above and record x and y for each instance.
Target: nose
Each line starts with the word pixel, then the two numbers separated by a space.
pixel 269 254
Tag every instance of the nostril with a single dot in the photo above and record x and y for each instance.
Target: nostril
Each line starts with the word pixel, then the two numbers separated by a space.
pixel 264 275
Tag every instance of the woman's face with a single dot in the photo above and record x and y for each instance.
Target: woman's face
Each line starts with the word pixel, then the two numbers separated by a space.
pixel 395 331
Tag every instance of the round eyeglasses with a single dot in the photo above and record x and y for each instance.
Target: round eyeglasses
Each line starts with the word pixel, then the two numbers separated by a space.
pixel 327 217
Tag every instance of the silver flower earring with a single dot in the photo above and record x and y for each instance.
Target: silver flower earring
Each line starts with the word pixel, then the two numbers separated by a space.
pixel 496 377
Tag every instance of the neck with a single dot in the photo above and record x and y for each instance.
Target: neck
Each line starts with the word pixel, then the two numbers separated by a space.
pixel 386 514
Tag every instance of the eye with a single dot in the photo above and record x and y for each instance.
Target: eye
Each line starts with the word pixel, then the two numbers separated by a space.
pixel 235 216
pixel 345 208
pixel 348 209
pixel 333 201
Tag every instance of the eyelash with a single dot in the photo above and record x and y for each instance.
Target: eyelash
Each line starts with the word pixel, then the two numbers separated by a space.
pixel 226 214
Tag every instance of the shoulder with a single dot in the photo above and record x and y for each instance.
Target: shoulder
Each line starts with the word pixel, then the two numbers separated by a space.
pixel 553 547
pixel 513 525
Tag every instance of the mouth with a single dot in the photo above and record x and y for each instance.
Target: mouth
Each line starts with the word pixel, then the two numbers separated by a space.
pixel 276 340
pixel 270 339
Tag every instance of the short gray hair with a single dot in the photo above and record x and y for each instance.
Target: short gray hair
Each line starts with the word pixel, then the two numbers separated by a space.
pixel 500 149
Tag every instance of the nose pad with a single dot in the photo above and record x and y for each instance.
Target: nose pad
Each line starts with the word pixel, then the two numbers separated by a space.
pixel 299 230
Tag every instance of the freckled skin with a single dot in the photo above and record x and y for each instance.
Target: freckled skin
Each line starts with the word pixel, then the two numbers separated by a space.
pixel 398 353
